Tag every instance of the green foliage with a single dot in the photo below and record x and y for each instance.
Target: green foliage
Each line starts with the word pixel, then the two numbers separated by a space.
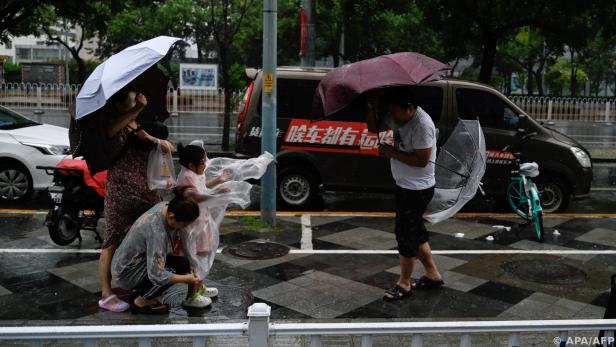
pixel 558 78
pixel 12 72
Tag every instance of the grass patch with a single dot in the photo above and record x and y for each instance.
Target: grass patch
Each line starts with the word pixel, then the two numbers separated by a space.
pixel 254 223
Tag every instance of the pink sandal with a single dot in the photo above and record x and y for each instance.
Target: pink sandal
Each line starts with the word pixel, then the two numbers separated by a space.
pixel 119 306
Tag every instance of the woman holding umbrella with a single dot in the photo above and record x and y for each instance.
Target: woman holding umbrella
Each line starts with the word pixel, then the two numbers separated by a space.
pixel 127 193
pixel 107 108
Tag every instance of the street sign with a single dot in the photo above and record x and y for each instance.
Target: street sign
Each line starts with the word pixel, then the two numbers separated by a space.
pixel 268 82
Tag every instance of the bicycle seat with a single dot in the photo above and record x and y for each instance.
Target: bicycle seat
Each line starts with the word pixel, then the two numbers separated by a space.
pixel 529 169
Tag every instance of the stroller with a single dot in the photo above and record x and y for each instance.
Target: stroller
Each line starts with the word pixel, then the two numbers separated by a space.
pixel 78 201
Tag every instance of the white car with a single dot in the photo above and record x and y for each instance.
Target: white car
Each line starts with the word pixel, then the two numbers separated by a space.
pixel 24 145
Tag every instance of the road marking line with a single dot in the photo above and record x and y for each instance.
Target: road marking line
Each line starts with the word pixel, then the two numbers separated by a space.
pixel 346 251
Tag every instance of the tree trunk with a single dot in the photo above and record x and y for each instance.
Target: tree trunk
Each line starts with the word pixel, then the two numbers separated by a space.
pixel 487 60
pixel 226 83
pixel 539 82
pixel 529 76
pixel 81 67
pixel 199 53
pixel 573 85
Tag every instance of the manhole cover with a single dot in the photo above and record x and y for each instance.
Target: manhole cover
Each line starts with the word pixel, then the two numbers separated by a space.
pixel 545 272
pixel 257 250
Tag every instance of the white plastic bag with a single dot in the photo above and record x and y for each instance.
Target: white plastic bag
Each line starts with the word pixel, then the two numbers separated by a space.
pixel 161 173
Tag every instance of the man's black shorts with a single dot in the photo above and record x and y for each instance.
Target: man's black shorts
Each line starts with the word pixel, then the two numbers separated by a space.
pixel 410 229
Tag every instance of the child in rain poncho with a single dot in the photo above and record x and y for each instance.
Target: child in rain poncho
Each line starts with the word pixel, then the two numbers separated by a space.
pixel 214 184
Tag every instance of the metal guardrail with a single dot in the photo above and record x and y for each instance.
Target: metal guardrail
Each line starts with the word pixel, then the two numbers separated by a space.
pixel 59 96
pixel 258 329
pixel 568 109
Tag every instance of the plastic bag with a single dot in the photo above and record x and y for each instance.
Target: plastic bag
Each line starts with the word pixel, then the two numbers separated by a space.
pixel 240 169
pixel 161 173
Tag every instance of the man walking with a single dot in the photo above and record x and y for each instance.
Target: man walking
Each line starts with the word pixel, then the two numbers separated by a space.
pixel 412 166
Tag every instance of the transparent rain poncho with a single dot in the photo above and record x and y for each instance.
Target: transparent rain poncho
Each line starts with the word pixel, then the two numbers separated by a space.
pixel 201 238
pixel 459 167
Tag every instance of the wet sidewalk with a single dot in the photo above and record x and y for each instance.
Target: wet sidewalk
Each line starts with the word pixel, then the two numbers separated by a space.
pixel 336 269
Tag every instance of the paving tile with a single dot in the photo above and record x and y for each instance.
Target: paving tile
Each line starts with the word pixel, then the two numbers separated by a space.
pixel 579 226
pixel 284 271
pixel 444 263
pixel 530 245
pixel 319 245
pixel 442 303
pixel 362 238
pixel 461 282
pixel 80 275
pixel 386 224
pixel 317 221
pixel 4 291
pixel 260 264
pixel 469 228
pixel 591 312
pixel 330 228
pixel 502 292
pixel 272 292
pixel 600 236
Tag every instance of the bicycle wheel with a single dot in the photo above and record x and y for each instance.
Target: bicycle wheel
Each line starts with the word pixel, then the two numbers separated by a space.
pixel 518 200
pixel 538 223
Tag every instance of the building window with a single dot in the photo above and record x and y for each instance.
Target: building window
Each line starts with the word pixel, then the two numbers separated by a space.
pixel 46 54
pixel 23 54
pixel 8 44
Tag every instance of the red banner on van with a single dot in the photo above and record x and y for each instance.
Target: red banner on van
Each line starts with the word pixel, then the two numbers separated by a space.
pixel 334 136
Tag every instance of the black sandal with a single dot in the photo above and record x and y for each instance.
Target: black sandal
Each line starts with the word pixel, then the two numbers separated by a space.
pixel 149 309
pixel 425 283
pixel 397 293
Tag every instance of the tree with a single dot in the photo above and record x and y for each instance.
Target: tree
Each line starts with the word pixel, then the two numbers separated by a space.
pixel 483 24
pixel 226 19
pixel 70 24
pixel 14 13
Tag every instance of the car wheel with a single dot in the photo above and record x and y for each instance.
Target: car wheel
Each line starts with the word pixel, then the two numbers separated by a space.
pixel 15 182
pixel 297 187
pixel 554 194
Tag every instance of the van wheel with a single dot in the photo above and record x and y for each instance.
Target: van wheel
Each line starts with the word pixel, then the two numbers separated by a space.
pixel 297 187
pixel 554 193
pixel 15 182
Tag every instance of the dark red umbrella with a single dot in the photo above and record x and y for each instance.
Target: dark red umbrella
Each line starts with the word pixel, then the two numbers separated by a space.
pixel 344 84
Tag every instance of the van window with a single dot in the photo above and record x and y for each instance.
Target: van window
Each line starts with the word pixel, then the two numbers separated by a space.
pixel 294 98
pixel 492 111
pixel 429 98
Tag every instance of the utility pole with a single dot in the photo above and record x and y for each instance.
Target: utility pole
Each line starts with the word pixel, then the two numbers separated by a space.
pixel 307 55
pixel 268 111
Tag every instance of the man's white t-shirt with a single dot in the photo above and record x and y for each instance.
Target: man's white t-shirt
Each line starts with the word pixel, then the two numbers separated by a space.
pixel 417 133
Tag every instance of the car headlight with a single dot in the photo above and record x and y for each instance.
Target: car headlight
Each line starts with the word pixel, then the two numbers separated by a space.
pixel 581 157
pixel 49 149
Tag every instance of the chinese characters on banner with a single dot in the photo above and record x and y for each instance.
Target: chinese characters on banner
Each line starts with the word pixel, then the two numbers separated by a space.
pixel 500 158
pixel 348 137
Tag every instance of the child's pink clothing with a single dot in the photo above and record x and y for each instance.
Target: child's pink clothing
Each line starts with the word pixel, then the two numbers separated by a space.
pixel 200 237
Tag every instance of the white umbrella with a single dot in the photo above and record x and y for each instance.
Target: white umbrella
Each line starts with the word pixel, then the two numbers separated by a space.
pixel 119 70
pixel 459 167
